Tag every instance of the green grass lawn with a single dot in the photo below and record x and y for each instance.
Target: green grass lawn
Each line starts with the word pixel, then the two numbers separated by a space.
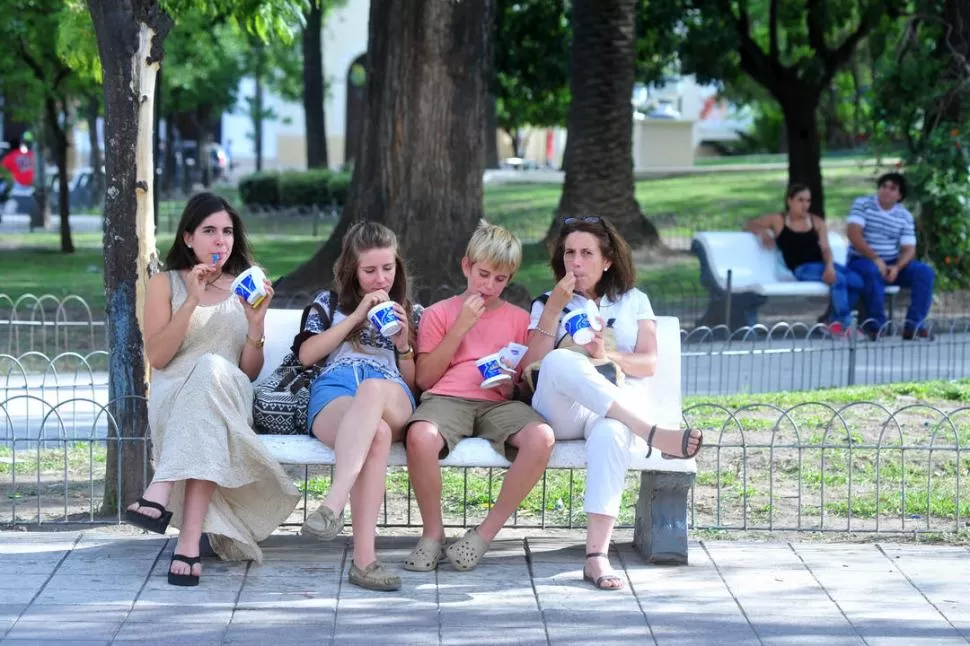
pixel 30 263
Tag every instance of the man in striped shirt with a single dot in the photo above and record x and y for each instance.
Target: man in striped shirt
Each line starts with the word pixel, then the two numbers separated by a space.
pixel 882 249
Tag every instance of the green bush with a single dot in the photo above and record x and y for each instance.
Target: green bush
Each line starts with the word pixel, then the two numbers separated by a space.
pixel 260 189
pixel 317 187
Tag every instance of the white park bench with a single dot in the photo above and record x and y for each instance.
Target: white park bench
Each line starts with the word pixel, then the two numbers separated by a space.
pixel 741 274
pixel 660 533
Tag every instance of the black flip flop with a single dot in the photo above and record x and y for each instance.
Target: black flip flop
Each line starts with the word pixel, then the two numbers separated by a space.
pixel 684 444
pixel 598 582
pixel 185 580
pixel 138 519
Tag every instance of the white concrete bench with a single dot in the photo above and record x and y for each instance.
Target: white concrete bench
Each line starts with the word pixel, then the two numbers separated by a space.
pixel 736 264
pixel 661 513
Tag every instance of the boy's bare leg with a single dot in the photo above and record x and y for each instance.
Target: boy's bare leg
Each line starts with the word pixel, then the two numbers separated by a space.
pixel 424 444
pixel 534 442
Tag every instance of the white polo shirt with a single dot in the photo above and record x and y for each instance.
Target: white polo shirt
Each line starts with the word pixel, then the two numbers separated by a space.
pixel 623 315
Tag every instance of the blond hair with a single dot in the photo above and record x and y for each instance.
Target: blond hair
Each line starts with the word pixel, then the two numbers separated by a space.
pixel 495 246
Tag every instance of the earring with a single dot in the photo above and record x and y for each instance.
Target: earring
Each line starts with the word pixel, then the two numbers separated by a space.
pixel 189 246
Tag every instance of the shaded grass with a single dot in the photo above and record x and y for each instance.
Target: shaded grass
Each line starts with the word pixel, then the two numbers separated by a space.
pixel 31 263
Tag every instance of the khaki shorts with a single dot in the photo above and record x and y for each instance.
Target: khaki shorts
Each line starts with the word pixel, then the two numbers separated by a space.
pixel 457 418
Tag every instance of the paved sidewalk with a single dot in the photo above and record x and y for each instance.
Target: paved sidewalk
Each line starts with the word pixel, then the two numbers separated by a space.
pixel 108 586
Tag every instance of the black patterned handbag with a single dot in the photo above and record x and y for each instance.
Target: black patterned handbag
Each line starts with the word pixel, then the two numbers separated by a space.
pixel 280 402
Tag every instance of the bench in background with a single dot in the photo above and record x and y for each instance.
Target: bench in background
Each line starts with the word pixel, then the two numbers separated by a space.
pixel 741 274
pixel 660 532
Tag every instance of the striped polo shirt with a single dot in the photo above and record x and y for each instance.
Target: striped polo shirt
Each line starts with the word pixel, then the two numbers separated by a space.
pixel 884 231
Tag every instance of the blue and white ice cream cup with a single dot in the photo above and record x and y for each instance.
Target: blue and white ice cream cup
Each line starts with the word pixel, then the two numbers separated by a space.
pixel 249 285
pixel 490 367
pixel 579 326
pixel 384 319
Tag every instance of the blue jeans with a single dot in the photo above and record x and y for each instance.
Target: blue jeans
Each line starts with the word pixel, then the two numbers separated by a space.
pixel 846 289
pixel 915 276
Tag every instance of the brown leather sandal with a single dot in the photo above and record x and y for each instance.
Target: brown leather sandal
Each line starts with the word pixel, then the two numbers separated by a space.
pixel 600 580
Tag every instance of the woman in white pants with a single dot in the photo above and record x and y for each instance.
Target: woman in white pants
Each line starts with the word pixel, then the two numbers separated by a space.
pixel 592 261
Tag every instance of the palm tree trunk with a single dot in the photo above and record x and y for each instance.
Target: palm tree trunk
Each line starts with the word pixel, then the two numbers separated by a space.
pixel 599 163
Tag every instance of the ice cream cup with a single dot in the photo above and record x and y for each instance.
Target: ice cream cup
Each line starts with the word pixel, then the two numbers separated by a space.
pixel 249 285
pixel 578 325
pixel 490 367
pixel 384 319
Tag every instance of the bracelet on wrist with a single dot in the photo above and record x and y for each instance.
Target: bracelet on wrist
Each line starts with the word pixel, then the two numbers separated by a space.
pixel 545 332
pixel 406 354
pixel 253 343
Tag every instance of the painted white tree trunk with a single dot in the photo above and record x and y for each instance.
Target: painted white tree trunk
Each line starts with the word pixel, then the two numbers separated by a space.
pixel 143 76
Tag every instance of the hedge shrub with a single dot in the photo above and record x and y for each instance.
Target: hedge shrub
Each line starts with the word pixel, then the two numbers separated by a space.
pixel 318 187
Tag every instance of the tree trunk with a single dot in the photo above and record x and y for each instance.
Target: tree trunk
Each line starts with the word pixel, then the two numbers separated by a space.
pixel 257 108
pixel 59 141
pixel 41 215
pixel 804 148
pixel 91 109
pixel 130 34
pixel 420 165
pixel 491 133
pixel 316 125
pixel 599 166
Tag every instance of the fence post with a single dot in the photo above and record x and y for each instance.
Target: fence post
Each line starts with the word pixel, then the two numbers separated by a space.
pixel 853 342
pixel 727 307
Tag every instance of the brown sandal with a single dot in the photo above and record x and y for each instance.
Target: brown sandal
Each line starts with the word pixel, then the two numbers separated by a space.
pixel 467 551
pixel 684 444
pixel 599 581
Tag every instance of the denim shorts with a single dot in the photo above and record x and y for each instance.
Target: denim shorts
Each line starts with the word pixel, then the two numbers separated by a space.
pixel 342 381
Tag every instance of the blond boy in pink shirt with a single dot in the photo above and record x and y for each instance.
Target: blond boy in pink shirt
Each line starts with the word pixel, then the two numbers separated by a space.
pixel 452 336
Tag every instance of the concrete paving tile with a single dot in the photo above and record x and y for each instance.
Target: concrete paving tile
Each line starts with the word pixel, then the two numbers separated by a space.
pixel 34 581
pixel 361 623
pixel 906 640
pixel 13 565
pixel 53 596
pixel 282 616
pixel 278 634
pixel 115 567
pixel 170 634
pixel 703 631
pixel 308 604
pixel 476 615
pixel 100 581
pixel 226 582
pixel 57 642
pixel 478 635
pixel 393 602
pixel 284 570
pixel 163 615
pixel 416 636
pixel 88 630
pixel 207 593
pixel 76 612
pixel 19 596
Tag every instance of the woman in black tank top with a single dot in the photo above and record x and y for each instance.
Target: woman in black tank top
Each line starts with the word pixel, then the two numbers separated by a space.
pixel 803 240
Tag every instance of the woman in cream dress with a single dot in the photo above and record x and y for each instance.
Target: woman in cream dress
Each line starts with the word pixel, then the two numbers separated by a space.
pixel 205 346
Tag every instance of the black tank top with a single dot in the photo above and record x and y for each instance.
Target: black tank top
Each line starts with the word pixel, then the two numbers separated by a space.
pixel 798 247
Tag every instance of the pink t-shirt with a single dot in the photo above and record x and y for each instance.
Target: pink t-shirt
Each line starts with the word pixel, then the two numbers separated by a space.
pixel 492 332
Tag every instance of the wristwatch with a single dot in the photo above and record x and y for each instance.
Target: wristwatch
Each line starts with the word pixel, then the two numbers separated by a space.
pixel 407 354
pixel 255 344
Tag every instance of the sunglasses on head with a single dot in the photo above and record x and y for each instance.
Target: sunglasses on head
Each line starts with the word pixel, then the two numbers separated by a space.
pixel 589 219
